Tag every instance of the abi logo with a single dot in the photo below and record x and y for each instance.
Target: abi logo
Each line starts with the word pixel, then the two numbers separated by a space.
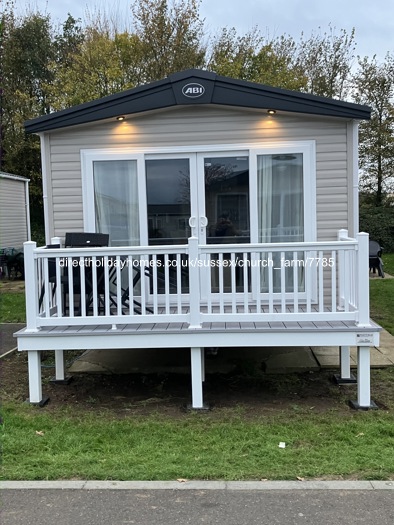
pixel 193 90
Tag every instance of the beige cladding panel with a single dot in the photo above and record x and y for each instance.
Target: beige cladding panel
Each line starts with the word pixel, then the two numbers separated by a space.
pixel 13 226
pixel 191 126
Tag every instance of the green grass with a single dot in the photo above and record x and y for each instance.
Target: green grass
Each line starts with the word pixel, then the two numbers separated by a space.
pixel 388 261
pixel 220 445
pixel 381 293
pixel 12 308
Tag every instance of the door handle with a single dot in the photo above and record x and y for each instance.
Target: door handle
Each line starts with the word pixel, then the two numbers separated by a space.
pixel 203 222
pixel 192 222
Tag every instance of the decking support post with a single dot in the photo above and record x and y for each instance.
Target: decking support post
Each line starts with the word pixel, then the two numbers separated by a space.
pixel 194 284
pixel 197 356
pixel 60 371
pixel 59 365
pixel 35 388
pixel 30 286
pixel 345 376
pixel 363 279
pixel 364 401
pixel 344 359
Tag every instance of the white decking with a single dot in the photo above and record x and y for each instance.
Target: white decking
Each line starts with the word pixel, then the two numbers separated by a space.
pixel 230 306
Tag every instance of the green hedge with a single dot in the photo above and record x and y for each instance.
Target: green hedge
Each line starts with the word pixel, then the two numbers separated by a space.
pixel 379 223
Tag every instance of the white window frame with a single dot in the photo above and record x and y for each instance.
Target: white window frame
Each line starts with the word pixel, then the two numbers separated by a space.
pixel 307 148
pixel 88 157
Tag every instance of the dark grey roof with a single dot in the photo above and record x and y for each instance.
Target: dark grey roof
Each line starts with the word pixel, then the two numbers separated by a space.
pixel 192 87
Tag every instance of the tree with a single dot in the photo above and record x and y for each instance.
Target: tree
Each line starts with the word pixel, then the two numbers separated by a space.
pixel 26 52
pixel 171 37
pixel 326 61
pixel 374 86
pixel 100 65
pixel 252 57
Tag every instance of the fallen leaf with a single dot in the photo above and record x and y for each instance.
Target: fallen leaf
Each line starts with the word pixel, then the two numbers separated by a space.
pixel 39 433
pixel 182 480
pixel 300 479
pixel 360 434
pixel 264 479
pixel 282 444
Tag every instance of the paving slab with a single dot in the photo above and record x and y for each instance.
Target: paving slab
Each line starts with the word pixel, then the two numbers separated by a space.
pixel 177 360
pixel 7 339
pixel 378 359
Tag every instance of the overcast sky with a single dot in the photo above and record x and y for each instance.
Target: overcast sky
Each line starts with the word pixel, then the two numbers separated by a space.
pixel 373 20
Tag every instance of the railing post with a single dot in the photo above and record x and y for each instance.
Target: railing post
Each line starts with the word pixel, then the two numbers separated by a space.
pixel 363 279
pixel 56 240
pixel 342 234
pixel 194 284
pixel 30 286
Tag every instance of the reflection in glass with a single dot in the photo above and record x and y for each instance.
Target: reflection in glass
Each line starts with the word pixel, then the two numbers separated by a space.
pixel 168 200
pixel 227 199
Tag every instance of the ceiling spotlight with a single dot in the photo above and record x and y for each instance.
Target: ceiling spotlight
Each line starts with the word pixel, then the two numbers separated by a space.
pixel 271 112
pixel 120 118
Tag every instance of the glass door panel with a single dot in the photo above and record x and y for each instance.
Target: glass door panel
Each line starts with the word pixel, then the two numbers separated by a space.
pixel 226 182
pixel 168 212
pixel 226 198
pixel 168 200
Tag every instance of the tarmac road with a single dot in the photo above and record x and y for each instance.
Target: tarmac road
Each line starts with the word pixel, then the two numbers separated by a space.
pixel 239 506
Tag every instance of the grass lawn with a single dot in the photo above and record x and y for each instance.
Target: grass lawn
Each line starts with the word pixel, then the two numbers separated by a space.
pixel 382 296
pixel 388 261
pixel 227 443
pixel 12 308
pixel 105 434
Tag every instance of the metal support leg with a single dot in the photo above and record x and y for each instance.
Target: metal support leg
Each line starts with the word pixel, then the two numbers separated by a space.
pixel 363 380
pixel 197 357
pixel 60 375
pixel 35 388
pixel 345 377
pixel 203 364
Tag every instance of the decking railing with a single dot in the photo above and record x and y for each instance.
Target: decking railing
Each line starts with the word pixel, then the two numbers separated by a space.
pixel 194 284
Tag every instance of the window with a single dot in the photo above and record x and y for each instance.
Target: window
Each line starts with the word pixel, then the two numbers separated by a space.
pixel 116 200
pixel 280 197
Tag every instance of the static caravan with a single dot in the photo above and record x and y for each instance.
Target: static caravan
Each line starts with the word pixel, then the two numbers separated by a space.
pixel 14 210
pixel 231 213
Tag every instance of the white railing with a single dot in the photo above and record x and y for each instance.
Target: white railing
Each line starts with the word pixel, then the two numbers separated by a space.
pixel 192 283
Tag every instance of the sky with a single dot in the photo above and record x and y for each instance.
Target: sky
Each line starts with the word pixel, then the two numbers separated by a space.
pixel 373 20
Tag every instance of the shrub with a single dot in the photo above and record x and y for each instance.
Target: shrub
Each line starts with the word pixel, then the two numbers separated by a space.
pixel 379 223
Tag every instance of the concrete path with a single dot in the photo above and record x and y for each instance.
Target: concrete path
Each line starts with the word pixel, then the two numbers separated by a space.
pixel 273 360
pixel 7 339
pixel 231 503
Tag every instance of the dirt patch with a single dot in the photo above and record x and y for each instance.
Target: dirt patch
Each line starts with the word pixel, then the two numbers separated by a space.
pixel 12 286
pixel 137 394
